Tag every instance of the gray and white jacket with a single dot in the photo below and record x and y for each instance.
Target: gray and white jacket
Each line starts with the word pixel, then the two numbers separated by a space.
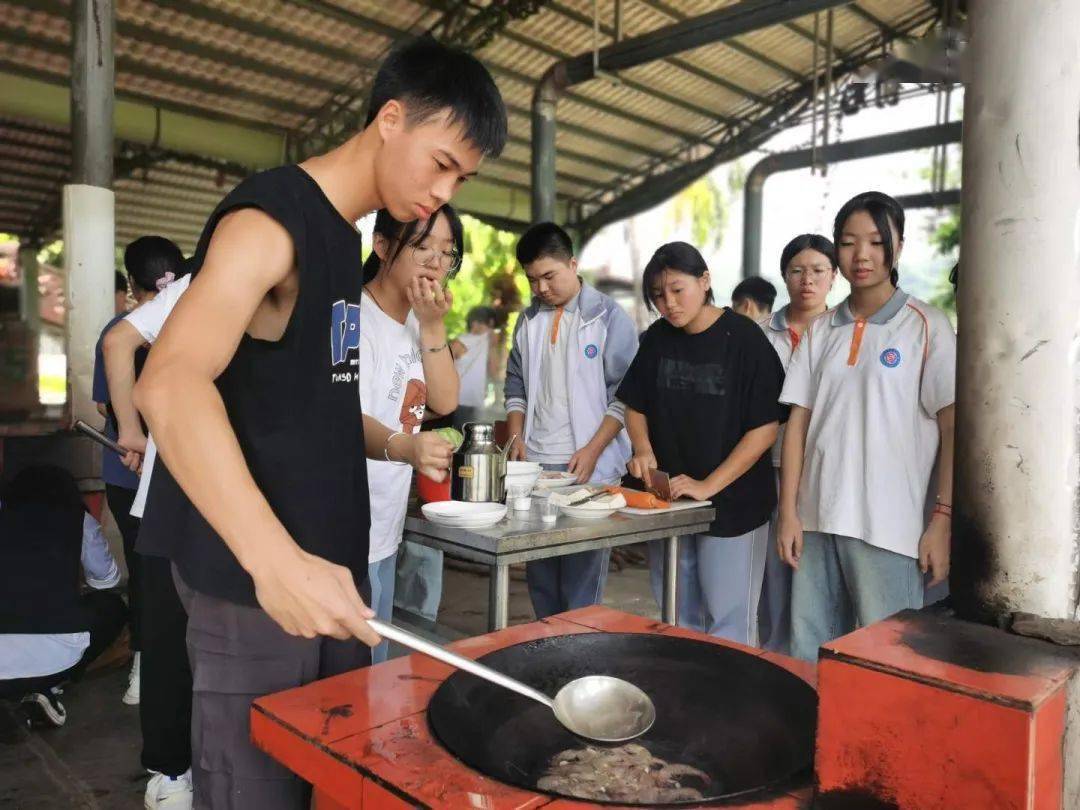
pixel 598 356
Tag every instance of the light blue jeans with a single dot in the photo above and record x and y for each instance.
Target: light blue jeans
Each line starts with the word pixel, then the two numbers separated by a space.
pixel 719 582
pixel 419 579
pixel 381 578
pixel 843 583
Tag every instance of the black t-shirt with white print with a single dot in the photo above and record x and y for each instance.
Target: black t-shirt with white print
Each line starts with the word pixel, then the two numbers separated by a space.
pixel 700 394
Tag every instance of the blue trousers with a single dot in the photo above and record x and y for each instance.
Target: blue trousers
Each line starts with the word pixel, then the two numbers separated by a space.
pixel 419 579
pixel 719 582
pixel 565 583
pixel 381 575
pixel 843 583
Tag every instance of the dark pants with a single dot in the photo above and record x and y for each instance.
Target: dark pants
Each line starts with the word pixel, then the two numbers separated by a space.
pixel 239 654
pixel 120 500
pixel 165 674
pixel 107 616
pixel 559 584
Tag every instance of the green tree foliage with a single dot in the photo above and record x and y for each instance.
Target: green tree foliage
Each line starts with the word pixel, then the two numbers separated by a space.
pixel 489 276
pixel 703 206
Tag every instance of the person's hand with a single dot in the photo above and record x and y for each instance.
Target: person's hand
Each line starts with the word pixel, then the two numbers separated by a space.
pixel 690 487
pixel 132 440
pixel 428 300
pixel 640 465
pixel 428 453
pixel 583 463
pixel 789 538
pixel 133 461
pixel 934 548
pixel 309 596
pixel 517 451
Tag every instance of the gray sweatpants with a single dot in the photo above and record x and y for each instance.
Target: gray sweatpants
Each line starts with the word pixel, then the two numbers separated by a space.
pixel 719 582
pixel 238 654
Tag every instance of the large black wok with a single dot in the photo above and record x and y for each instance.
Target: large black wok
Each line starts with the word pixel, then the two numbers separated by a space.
pixel 747 723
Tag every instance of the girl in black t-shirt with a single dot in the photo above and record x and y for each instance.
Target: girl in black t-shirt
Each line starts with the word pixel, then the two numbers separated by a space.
pixel 702 404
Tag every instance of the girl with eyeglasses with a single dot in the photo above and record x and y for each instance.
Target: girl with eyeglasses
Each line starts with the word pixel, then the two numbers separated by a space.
pixel 406 374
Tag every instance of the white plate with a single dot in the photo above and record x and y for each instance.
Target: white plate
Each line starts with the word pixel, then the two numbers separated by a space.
pixel 677 506
pixel 585 513
pixel 464 515
pixel 555 480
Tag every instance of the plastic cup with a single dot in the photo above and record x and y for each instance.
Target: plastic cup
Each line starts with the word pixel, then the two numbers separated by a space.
pixel 549 510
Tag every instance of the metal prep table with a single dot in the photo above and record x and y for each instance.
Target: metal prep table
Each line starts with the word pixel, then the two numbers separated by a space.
pixel 523 536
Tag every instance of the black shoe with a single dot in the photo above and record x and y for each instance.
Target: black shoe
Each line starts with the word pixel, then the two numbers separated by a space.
pixel 44 709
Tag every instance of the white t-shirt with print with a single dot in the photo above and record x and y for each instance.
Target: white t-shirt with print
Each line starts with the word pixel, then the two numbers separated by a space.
pixel 394 392
pixel 874 388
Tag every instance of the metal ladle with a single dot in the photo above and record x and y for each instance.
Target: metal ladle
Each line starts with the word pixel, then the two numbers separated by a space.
pixel 596 707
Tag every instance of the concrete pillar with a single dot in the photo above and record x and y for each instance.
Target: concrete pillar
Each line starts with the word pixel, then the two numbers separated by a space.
pixel 545 102
pixel 1016 525
pixel 88 204
pixel 29 297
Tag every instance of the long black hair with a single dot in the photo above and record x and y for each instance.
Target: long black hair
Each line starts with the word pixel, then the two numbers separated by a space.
pixel 152 262
pixel 807 241
pixel 885 211
pixel 678 256
pixel 401 234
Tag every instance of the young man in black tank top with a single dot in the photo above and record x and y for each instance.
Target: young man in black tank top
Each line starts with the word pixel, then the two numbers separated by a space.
pixel 252 396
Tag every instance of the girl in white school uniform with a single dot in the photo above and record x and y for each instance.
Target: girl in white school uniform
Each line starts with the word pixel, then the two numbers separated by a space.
pixel 871 387
pixel 808 267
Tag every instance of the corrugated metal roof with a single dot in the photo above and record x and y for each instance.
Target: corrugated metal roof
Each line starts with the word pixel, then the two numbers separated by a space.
pixel 280 63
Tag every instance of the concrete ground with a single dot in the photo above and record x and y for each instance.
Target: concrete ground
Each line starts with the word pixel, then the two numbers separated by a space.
pixel 93 761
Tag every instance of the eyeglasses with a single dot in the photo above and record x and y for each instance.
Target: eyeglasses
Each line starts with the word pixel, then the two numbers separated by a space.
pixel 447 261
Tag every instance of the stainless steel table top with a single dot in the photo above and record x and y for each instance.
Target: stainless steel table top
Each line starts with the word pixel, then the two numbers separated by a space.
pixel 525 532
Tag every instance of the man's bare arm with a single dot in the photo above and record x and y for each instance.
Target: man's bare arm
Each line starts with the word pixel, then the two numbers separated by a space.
pixel 249 255
pixel 118 348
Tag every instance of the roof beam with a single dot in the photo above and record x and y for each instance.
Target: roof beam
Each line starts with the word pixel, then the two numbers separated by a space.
pixel 675 101
pixel 745 50
pixel 138 67
pixel 877 22
pixel 675 61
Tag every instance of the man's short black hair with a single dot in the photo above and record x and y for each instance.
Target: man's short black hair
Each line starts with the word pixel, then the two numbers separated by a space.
pixel 120 282
pixel 484 315
pixel 429 77
pixel 757 289
pixel 544 240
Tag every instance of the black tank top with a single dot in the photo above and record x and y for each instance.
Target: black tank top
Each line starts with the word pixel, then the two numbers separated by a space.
pixel 294 404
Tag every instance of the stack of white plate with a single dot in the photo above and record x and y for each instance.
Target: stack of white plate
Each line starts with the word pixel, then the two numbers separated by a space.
pixel 555 480
pixel 522 474
pixel 464 515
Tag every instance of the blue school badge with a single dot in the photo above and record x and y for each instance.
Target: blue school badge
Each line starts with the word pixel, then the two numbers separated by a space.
pixel 890 358
pixel 591 351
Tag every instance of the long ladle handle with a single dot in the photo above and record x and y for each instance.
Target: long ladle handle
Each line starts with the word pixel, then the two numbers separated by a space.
pixel 422 645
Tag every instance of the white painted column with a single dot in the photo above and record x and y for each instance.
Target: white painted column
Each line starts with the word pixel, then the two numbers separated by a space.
pixel 1016 521
pixel 88 204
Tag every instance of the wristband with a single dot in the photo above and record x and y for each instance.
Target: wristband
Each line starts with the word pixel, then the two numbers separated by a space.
pixel 436 350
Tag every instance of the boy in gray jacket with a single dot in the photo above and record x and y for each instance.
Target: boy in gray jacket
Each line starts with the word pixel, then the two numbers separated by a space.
pixel 571 347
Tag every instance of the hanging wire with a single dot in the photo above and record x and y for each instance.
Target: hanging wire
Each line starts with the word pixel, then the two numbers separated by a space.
pixel 828 86
pixel 814 95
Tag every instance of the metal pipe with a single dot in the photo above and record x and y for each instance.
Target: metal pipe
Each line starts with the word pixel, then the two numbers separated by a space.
pixel 727 22
pixel 1015 526
pixel 803 158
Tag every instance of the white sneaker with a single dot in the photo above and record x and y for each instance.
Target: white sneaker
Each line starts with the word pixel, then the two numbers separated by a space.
pixel 44 708
pixel 172 792
pixel 131 696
